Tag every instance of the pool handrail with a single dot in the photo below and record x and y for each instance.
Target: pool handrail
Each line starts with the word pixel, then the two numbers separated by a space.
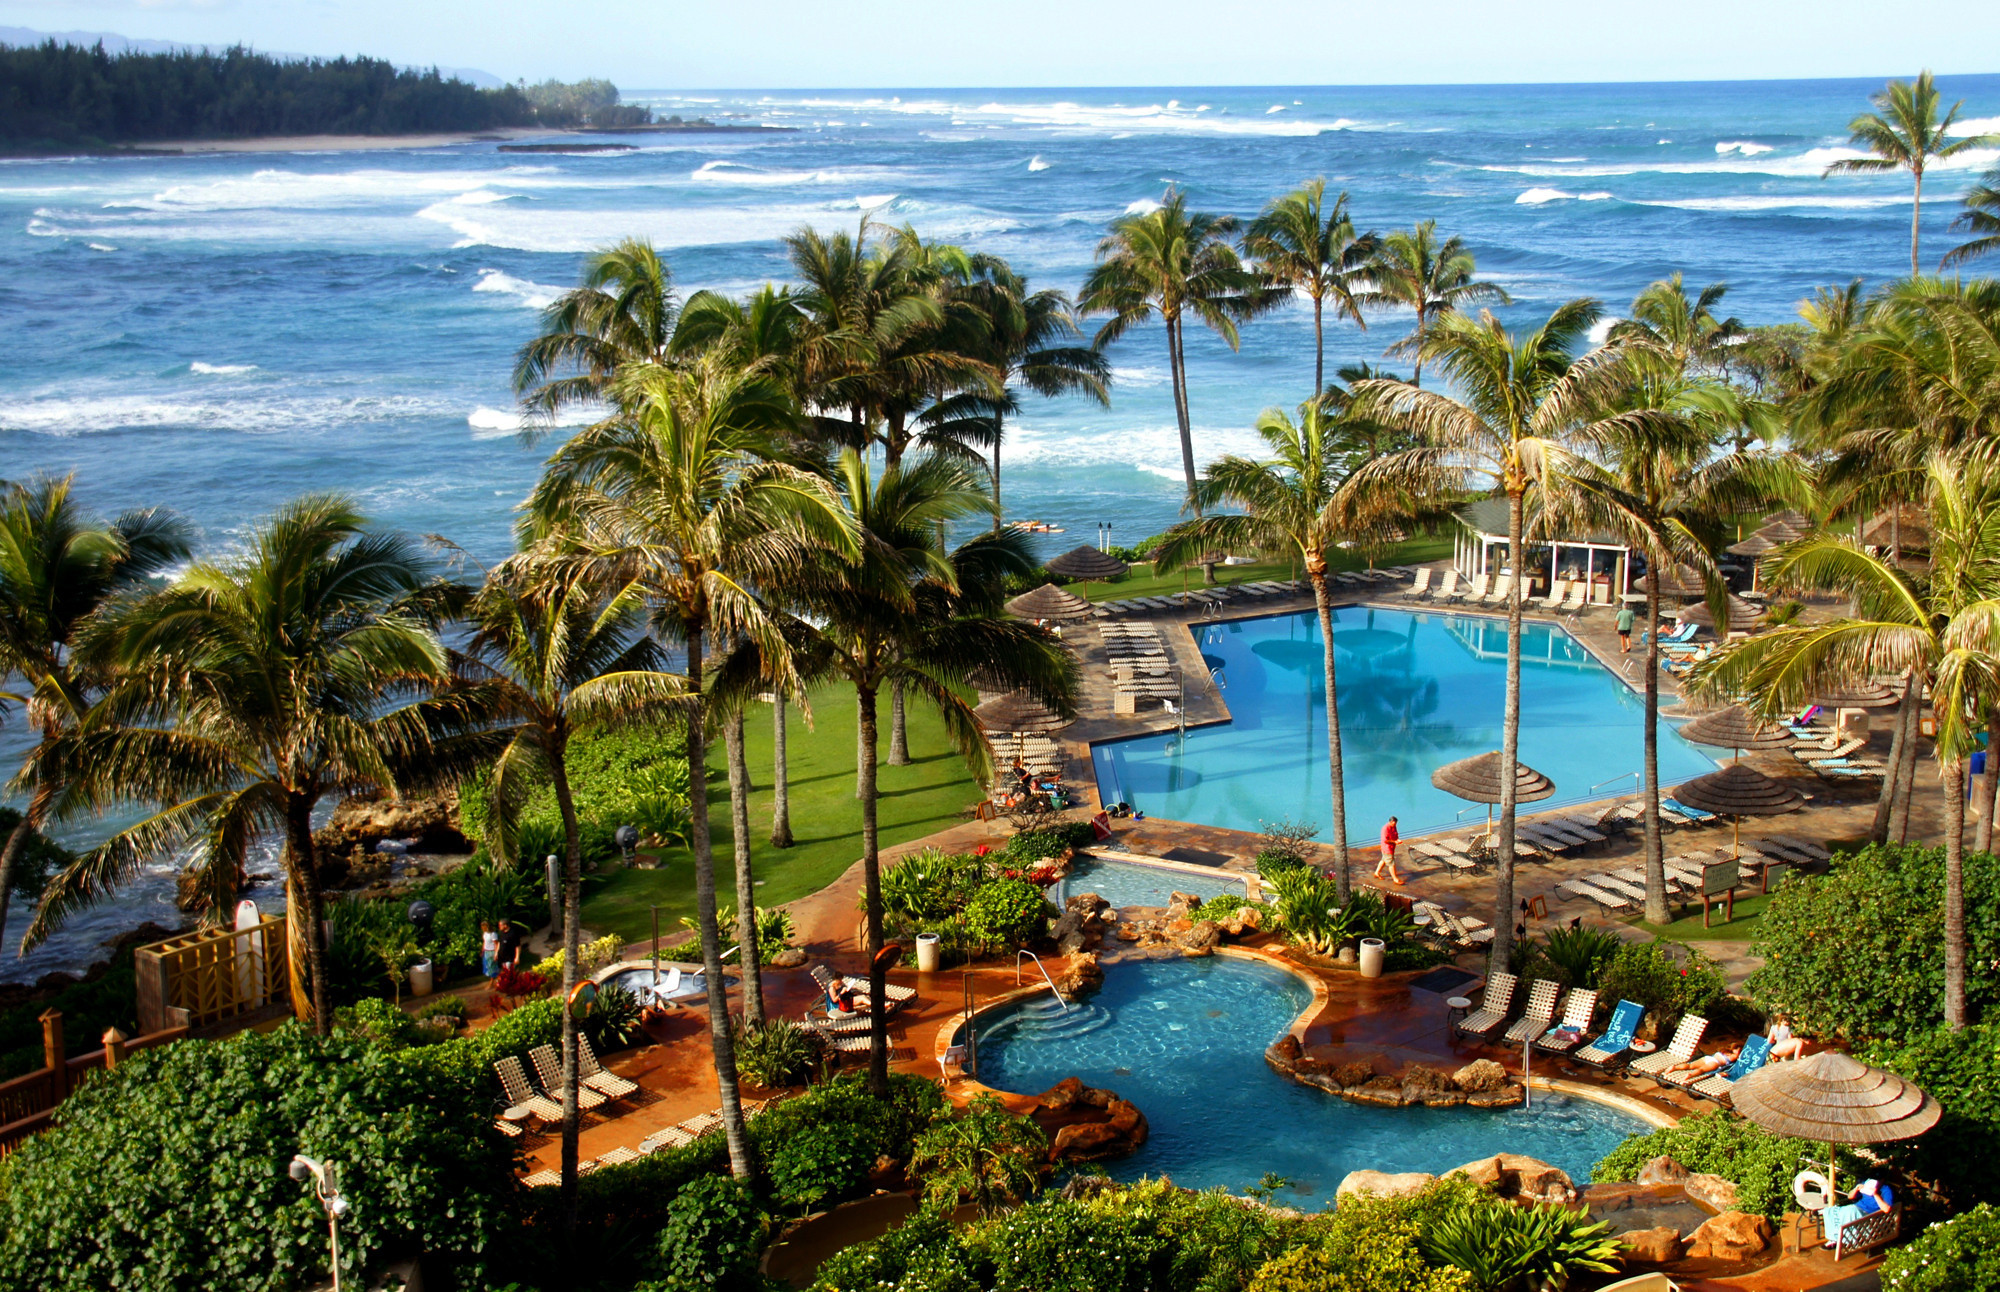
pixel 1045 975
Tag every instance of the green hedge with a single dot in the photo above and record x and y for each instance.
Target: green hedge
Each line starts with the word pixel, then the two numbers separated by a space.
pixel 1720 1143
pixel 1961 1070
pixel 1957 1255
pixel 622 776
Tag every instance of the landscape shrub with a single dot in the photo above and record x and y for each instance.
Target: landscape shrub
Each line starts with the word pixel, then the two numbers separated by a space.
pixel 1573 957
pixel 1307 905
pixel 711 1241
pixel 1502 1246
pixel 1669 978
pixel 616 1021
pixel 1373 1244
pixel 821 1145
pixel 1048 841
pixel 1954 1255
pixel 1961 1070
pixel 1858 954
pixel 780 1053
pixel 1225 907
pixel 1007 913
pixel 590 957
pixel 168 1172
pixel 448 1007
pixel 925 1253
pixel 1054 1245
pixel 519 1030
pixel 1273 862
pixel 931 885
pixel 984 1155
pixel 624 775
pixel 1720 1143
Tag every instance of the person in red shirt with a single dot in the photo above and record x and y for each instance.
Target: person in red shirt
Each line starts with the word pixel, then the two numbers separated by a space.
pixel 1389 840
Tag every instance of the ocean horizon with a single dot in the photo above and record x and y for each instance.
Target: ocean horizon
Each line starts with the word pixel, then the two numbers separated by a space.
pixel 218 332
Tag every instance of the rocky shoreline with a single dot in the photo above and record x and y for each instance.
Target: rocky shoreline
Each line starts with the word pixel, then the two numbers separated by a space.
pixel 1481 1083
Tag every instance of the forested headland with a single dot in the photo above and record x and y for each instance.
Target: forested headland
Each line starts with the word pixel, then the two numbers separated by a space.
pixel 60 96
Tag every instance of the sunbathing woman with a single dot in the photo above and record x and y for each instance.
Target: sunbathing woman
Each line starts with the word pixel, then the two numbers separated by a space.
pixel 1706 1063
pixel 1785 1044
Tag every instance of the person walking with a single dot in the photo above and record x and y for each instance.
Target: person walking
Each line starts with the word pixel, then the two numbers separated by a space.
pixel 1389 840
pixel 489 948
pixel 1626 617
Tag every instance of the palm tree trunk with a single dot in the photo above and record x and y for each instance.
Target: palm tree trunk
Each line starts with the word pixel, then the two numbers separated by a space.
pixel 1510 750
pixel 1954 895
pixel 899 732
pixel 781 775
pixel 302 897
pixel 871 872
pixel 996 472
pixel 704 902
pixel 1989 781
pixel 1656 865
pixel 1916 221
pixel 1885 803
pixel 1177 367
pixel 572 895
pixel 746 881
pixel 1335 768
pixel 17 840
pixel 1319 374
pixel 1417 377
pixel 1899 821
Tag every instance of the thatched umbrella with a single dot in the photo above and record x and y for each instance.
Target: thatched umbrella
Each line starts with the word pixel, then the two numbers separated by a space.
pixel 1754 547
pixel 1832 1098
pixel 1740 612
pixel 1679 582
pixel 1795 524
pixel 1049 602
pixel 1089 564
pixel 1905 527
pixel 1735 728
pixel 1737 791
pixel 1478 780
pixel 1018 713
pixel 1861 695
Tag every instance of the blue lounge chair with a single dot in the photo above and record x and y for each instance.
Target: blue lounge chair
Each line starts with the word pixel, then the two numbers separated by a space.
pixel 1691 815
pixel 1684 633
pixel 1610 1049
pixel 1756 1051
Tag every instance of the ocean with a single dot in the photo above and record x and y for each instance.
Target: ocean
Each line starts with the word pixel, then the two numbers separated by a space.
pixel 216 333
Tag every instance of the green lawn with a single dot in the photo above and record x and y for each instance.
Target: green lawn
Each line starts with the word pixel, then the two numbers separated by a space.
pixel 1143 582
pixel 1749 916
pixel 926 796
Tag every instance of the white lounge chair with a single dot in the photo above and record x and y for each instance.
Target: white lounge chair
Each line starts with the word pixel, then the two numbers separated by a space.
pixel 1421 589
pixel 1448 590
pixel 1576 1015
pixel 1539 1014
pixel 1477 590
pixel 1494 1006
pixel 1687 1039
pixel 1579 595
pixel 1558 589
pixel 1502 586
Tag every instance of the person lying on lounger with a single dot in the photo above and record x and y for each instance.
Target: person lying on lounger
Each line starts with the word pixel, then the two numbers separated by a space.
pixel 1704 1064
pixel 1785 1043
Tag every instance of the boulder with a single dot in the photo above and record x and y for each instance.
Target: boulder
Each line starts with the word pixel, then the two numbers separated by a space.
pixel 1128 1121
pixel 1179 904
pixel 789 958
pixel 1358 1073
pixel 1285 1049
pixel 1087 1141
pixel 1660 1246
pixel 1083 976
pixel 1511 1175
pixel 1200 939
pixel 1383 1184
pixel 1711 1191
pixel 1480 1074
pixel 1384 1091
pixel 1067 933
pixel 1060 1095
pixel 1085 903
pixel 1664 1170
pixel 1731 1236
pixel 1505 1097
pixel 1128 932
pixel 431 820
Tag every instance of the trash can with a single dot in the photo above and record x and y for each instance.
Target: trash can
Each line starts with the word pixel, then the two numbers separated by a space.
pixel 1372 951
pixel 420 978
pixel 927 952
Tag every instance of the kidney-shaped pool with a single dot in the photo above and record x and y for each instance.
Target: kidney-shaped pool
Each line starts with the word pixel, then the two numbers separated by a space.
pixel 1185 1040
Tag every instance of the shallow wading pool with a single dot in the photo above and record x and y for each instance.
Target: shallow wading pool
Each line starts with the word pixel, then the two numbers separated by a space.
pixel 1131 883
pixel 1185 1040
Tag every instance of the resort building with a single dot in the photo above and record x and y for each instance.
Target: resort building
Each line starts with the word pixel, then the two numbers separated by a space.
pixel 1602 562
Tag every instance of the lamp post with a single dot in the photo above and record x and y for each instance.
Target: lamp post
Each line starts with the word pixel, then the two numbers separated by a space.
pixel 627 838
pixel 326 1185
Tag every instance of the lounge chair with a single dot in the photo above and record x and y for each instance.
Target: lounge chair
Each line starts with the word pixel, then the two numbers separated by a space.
pixel 1421 589
pixel 1687 1038
pixel 1584 827
pixel 608 1084
pixel 1579 597
pixel 1591 892
pixel 1476 590
pixel 1818 852
pixel 521 1097
pixel 1502 588
pixel 1493 1008
pixel 1684 633
pixel 542 1179
pixel 548 1066
pixel 1539 1014
pixel 1576 1015
pixel 858 987
pixel 1558 589
pixel 1611 1047
pixel 1827 751
pixel 1691 815
pixel 1756 1051
pixel 1849 1229
pixel 1448 589
pixel 1460 933
pixel 1543 838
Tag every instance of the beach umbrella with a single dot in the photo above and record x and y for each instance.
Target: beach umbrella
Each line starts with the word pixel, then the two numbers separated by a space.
pixel 1909 527
pixel 1088 564
pixel 1678 582
pixel 1737 791
pixel 1833 1098
pixel 1049 602
pixel 1478 780
pixel 1755 547
pixel 1018 713
pixel 1740 612
pixel 1735 728
pixel 1792 524
pixel 1861 695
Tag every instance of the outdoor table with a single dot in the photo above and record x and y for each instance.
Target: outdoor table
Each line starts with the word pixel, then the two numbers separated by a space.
pixel 1456 1007
pixel 1642 1047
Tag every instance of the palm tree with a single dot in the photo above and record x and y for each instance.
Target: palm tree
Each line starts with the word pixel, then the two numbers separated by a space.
pixel 1301 246
pixel 551 649
pixel 910 611
pixel 247 692
pixel 1304 498
pixel 1939 626
pixel 1906 133
pixel 1981 216
pixel 1528 406
pixel 682 496
pixel 1173 263
pixel 1434 279
pixel 59 566
pixel 1680 331
pixel 618 321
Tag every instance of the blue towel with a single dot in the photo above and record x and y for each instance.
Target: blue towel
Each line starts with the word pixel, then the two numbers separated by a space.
pixel 1624 1022
pixel 1756 1051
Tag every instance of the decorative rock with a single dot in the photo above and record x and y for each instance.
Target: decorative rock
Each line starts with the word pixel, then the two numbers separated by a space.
pixel 1348 956
pixel 789 958
pixel 1665 1170
pixel 1511 1175
pixel 1084 1142
pixel 1085 903
pixel 1284 1049
pixel 1352 1074
pixel 1200 939
pixel 1711 1191
pixel 1507 1097
pixel 1383 1184
pixel 1128 933
pixel 1480 1074
pixel 1179 904
pixel 1067 933
pixel 1083 976
pixel 1731 1236
pixel 1384 1091
pixel 1061 1095
pixel 1660 1246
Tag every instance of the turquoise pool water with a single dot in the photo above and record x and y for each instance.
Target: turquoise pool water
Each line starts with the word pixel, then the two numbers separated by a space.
pixel 1417 691
pixel 1184 1040
pixel 1126 883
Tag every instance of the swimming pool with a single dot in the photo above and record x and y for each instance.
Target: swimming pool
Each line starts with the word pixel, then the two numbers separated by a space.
pixel 1184 1040
pixel 1417 691
pixel 1126 883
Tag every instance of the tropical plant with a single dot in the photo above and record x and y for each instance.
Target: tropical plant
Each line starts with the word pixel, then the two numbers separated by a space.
pixel 1006 913
pixel 777 1053
pixel 985 1155
pixel 1310 910
pixel 1172 263
pixel 248 691
pixel 931 884
pixel 1960 1157
pixel 1578 956
pixel 1431 278
pixel 1300 245
pixel 679 499
pixel 1962 1252
pixel 1527 407
pixel 607 331
pixel 712 1240
pixel 1939 629
pixel 1302 500
pixel 1905 132
pixel 1761 1165
pixel 616 1019
pixel 1503 1246
pixel 1981 216
pixel 59 565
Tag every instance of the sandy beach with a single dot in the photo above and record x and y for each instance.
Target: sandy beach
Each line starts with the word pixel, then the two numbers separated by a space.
pixel 349 143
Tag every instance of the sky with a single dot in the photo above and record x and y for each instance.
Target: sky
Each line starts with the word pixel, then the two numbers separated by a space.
pixel 776 44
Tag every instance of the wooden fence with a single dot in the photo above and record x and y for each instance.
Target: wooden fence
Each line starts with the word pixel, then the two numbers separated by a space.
pixel 215 976
pixel 28 1103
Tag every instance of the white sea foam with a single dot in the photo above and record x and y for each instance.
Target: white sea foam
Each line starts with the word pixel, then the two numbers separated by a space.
pixel 542 226
pixel 1138 376
pixel 1775 202
pixel 1975 126
pixel 1807 165
pixel 493 423
pixel 1600 331
pixel 1036 163
pixel 1743 146
pixel 1144 206
pixel 100 246
pixel 874 201
pixel 1274 109
pixel 534 296
pixel 68 415
pixel 220 369
pixel 1542 196
pixel 724 171
pixel 1071 117
pixel 266 189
